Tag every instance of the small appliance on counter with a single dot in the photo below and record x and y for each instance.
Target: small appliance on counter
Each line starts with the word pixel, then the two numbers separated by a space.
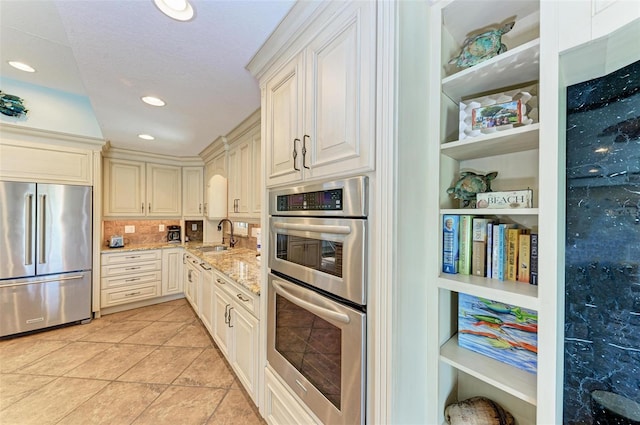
pixel 116 241
pixel 173 236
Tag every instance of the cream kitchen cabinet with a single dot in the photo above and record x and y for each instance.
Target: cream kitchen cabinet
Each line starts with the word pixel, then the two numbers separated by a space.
pixel 138 189
pixel 236 329
pixel 244 172
pixel 192 191
pixel 206 297
pixel 239 179
pixel 172 271
pixel 130 276
pixel 319 105
pixel 585 21
pixel 192 281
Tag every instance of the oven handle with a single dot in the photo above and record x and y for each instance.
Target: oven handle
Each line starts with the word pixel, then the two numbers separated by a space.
pixel 315 228
pixel 319 311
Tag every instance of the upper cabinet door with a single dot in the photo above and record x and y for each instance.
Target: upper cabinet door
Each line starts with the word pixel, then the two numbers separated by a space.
pixel 239 178
pixel 340 94
pixel 124 183
pixel 164 190
pixel 283 126
pixel 192 191
pixel 256 175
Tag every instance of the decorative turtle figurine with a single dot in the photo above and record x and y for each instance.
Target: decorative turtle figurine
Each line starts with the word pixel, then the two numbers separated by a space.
pixel 479 48
pixel 471 184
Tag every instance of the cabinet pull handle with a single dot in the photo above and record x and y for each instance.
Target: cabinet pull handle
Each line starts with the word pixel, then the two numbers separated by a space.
pixel 142 207
pixel 149 210
pixel 304 151
pixel 200 208
pixel 295 154
pixel 242 298
pixel 230 325
pixel 132 268
pixel 221 282
pixel 227 318
pixel 204 266
pixel 130 294
pixel 133 279
pixel 132 256
pixel 235 205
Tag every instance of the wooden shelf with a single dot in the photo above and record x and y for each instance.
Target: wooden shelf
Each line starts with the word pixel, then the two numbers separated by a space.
pixel 510 379
pixel 514 67
pixel 517 139
pixel 516 293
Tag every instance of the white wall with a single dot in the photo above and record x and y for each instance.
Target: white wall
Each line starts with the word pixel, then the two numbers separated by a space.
pixel 52 110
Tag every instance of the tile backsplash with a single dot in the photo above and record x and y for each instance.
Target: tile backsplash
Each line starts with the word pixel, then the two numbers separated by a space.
pixel 146 231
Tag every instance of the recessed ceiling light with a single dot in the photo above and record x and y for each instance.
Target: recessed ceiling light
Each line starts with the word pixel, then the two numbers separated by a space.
pixel 154 101
pixel 21 66
pixel 146 136
pixel 179 10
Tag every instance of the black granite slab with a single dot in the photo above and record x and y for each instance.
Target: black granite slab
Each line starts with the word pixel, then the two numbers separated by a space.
pixel 602 274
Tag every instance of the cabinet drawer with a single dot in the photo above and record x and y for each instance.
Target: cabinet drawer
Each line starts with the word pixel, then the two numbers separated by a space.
pixel 131 268
pixel 128 280
pixel 111 297
pixel 131 256
pixel 243 297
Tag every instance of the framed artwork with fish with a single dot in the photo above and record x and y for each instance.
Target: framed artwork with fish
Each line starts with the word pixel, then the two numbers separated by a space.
pixel 504 332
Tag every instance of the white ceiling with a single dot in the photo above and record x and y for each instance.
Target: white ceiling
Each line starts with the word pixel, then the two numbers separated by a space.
pixel 116 51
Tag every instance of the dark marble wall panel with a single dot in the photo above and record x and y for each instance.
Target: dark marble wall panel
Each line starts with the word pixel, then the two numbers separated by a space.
pixel 602 276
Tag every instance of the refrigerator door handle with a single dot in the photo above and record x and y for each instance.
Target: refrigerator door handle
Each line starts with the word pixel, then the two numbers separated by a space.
pixel 28 248
pixel 32 282
pixel 43 223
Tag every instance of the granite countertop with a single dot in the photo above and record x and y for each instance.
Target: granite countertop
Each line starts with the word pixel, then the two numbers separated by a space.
pixel 239 264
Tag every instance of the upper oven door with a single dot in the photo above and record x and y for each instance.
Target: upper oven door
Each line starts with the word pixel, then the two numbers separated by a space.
pixel 327 253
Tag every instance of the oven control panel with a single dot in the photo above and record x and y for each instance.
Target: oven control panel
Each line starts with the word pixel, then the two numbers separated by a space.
pixel 323 200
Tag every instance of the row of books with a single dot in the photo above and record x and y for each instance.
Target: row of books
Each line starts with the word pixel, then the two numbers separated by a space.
pixel 483 247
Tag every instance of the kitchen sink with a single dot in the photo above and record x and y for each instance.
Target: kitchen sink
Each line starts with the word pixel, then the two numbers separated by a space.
pixel 213 248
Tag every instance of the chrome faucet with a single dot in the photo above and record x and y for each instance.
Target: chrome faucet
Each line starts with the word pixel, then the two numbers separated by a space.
pixel 232 241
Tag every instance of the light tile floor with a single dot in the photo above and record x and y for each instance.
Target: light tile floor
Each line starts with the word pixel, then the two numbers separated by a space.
pixel 152 365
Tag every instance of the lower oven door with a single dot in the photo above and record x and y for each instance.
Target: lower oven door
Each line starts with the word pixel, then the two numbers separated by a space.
pixel 317 346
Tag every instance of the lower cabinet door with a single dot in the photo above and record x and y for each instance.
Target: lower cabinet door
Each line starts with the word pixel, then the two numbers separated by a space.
pixel 206 300
pixel 244 357
pixel 221 306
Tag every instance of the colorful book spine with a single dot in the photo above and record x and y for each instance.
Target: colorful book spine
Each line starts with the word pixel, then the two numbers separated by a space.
pixel 502 249
pixel 533 260
pixel 480 238
pixel 495 251
pixel 524 253
pixel 513 245
pixel 450 243
pixel 479 259
pixel 466 246
pixel 489 248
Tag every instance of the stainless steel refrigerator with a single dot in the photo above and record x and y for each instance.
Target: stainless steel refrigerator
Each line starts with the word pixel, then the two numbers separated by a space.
pixel 45 255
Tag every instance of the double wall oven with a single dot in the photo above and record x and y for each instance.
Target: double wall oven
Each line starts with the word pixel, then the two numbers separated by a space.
pixel 317 285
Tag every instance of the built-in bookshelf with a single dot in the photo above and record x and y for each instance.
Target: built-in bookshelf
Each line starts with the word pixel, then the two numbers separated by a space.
pixel 515 154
